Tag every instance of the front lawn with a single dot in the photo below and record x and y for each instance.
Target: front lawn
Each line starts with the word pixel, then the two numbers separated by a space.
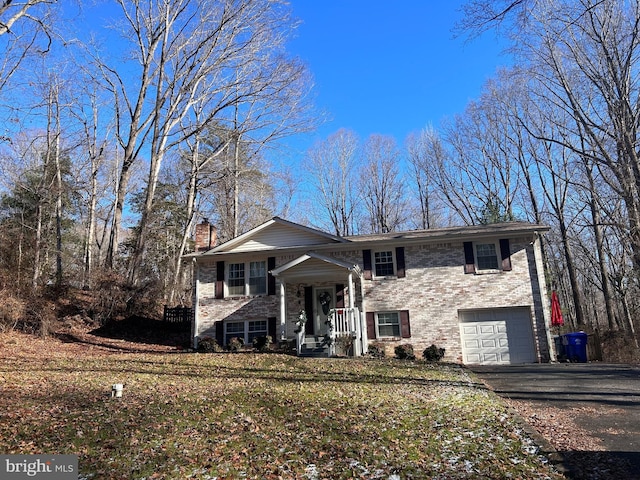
pixel 205 416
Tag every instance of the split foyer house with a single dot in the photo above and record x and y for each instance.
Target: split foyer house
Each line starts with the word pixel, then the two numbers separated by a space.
pixel 476 291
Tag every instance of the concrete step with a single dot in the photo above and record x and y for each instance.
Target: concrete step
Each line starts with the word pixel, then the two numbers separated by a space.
pixel 314 347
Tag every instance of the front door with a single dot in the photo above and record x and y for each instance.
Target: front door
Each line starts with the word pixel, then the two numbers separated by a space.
pixel 325 300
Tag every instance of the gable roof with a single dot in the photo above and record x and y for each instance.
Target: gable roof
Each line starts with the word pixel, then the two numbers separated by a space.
pixel 276 233
pixel 315 266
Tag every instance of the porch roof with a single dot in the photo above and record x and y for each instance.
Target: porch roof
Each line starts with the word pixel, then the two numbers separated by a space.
pixel 314 266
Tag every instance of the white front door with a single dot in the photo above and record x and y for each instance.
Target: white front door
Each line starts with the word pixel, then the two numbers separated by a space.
pixel 324 301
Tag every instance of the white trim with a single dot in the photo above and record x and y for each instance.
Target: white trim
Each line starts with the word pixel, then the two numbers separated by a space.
pixel 393 262
pixel 283 311
pixel 246 328
pixel 496 244
pixel 245 236
pixel 277 271
pixel 247 277
pixel 308 256
pixel 546 310
pixel 377 325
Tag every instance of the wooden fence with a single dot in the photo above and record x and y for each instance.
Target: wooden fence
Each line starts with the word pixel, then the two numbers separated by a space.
pixel 178 315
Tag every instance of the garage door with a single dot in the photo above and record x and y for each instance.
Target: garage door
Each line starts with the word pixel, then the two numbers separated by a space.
pixel 497 336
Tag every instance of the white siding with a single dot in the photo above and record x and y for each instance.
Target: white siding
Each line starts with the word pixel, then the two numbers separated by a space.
pixel 278 236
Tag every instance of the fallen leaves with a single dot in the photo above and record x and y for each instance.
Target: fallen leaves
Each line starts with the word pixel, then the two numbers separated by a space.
pixel 256 416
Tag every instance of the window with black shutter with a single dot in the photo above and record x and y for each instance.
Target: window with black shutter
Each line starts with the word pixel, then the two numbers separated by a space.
pixel 487 256
pixel 391 324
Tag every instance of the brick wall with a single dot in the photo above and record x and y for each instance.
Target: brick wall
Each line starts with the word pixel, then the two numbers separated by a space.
pixel 434 290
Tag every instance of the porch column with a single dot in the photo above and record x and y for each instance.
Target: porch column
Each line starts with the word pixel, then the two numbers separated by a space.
pixel 352 301
pixel 283 311
pixel 363 322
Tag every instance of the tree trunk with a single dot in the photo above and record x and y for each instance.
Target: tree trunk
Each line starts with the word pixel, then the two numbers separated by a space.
pixel 597 233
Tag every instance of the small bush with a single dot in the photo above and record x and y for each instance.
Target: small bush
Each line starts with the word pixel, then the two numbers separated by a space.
pixel 235 344
pixel 208 345
pixel 262 344
pixel 376 351
pixel 405 352
pixel 12 310
pixel 433 354
pixel 344 344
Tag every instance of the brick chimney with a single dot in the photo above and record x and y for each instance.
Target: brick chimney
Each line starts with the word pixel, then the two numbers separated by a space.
pixel 206 236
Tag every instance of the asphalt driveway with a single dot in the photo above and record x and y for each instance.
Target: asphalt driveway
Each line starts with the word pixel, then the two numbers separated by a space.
pixel 612 390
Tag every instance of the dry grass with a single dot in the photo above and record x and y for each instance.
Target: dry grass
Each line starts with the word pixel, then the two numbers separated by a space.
pixel 254 416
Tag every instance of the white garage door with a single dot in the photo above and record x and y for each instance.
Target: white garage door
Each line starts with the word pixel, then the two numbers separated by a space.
pixel 498 336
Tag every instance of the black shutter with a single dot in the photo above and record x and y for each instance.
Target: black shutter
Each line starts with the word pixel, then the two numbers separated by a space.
pixel 308 308
pixel 505 253
pixel 220 332
pixel 366 260
pixel 469 262
pixel 220 280
pixel 405 326
pixel 271 328
pixel 400 269
pixel 371 325
pixel 271 280
pixel 339 296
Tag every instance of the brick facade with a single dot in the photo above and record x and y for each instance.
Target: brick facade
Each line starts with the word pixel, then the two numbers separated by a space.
pixel 435 289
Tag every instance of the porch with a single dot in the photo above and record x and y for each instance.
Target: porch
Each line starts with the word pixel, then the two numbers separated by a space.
pixel 342 336
pixel 321 303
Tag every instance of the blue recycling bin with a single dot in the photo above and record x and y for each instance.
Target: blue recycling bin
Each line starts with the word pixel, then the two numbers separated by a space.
pixel 575 345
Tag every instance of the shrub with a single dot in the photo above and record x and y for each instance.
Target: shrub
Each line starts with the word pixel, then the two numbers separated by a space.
pixel 405 352
pixel 263 343
pixel 208 345
pixel 12 310
pixel 376 350
pixel 344 343
pixel 433 354
pixel 235 344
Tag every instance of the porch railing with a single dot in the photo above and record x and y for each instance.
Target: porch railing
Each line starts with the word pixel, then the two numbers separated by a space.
pixel 299 340
pixel 345 322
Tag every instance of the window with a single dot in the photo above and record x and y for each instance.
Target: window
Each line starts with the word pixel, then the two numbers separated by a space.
pixel 383 263
pixel 239 283
pixel 257 278
pixel 236 279
pixel 233 329
pixel 246 330
pixel 388 324
pixel 257 328
pixel 486 256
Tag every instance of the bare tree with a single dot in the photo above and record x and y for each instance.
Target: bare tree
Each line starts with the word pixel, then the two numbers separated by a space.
pixel 11 12
pixel 25 28
pixel 478 176
pixel 425 154
pixel 583 59
pixel 332 166
pixel 382 186
pixel 219 55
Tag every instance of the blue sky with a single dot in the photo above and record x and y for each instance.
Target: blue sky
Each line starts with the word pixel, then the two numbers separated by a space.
pixel 389 67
